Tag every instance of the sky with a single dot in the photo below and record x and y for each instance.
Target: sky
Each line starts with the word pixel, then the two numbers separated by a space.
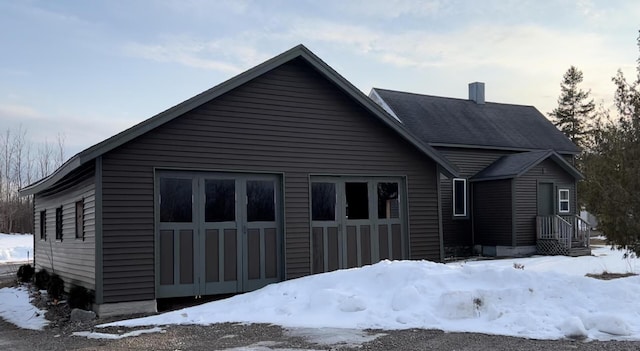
pixel 90 69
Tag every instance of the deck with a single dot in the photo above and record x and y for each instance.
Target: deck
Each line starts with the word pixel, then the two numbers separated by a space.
pixel 563 235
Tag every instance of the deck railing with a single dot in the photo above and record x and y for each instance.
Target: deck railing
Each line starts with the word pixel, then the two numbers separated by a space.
pixel 581 230
pixel 567 230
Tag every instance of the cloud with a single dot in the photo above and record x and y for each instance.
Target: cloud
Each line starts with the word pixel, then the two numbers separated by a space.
pixel 390 9
pixel 222 55
pixel 14 111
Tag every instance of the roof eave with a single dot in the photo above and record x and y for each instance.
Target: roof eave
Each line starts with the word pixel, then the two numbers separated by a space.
pixel 44 183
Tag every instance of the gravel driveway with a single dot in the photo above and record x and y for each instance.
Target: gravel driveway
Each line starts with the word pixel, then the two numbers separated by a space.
pixel 229 336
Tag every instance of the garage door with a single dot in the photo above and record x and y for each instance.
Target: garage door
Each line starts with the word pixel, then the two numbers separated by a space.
pixel 217 233
pixel 356 221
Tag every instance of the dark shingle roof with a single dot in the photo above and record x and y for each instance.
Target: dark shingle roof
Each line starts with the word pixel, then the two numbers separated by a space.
pixel 449 121
pixel 515 165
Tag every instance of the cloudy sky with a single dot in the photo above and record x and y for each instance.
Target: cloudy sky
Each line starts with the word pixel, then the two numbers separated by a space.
pixel 89 69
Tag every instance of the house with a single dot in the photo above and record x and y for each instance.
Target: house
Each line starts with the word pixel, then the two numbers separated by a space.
pixel 283 171
pixel 515 193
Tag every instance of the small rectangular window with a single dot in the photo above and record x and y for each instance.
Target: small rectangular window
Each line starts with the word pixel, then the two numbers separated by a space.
pixel 80 219
pixel 323 201
pixel 43 225
pixel 357 196
pixel 388 202
pixel 261 205
pixel 563 201
pixel 59 223
pixel 220 200
pixel 176 200
pixel 459 197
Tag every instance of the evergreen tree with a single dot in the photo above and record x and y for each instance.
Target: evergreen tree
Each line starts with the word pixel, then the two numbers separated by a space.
pixel 575 110
pixel 612 168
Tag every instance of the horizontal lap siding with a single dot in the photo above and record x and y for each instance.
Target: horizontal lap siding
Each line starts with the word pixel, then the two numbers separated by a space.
pixel 457 232
pixel 73 259
pixel 493 218
pixel 526 198
pixel 289 121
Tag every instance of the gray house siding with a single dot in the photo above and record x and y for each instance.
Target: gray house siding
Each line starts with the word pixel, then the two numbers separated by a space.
pixel 526 200
pixel 458 231
pixel 72 258
pixel 289 121
pixel 493 213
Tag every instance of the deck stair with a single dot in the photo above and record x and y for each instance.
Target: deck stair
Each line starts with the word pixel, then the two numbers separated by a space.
pixel 563 235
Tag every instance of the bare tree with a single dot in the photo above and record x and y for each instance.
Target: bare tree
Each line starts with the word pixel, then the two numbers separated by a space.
pixel 20 165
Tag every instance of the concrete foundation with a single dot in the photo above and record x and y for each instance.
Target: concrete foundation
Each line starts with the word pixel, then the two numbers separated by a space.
pixel 124 308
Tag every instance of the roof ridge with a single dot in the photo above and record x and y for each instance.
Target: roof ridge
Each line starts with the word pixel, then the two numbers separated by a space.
pixel 449 97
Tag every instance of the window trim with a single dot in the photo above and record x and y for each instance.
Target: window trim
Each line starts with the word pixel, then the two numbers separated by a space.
pixel 561 201
pixel 453 200
pixel 59 219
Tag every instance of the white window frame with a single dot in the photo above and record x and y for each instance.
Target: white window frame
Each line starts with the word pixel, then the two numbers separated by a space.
pixel 562 201
pixel 464 213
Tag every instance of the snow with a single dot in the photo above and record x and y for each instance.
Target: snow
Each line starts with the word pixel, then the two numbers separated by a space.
pixel 16 247
pixel 548 298
pixel 96 335
pixel 16 308
pixel 543 297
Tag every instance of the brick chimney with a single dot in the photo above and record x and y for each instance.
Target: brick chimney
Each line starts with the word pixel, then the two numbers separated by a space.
pixel 476 92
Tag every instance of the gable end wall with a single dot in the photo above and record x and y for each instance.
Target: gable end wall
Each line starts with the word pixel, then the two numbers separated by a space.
pixel 291 121
pixel 526 197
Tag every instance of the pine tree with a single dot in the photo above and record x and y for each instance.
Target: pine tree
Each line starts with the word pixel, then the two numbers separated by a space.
pixel 575 110
pixel 612 168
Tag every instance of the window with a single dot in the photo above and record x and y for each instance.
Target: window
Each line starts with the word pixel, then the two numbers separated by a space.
pixel 80 219
pixel 323 201
pixel 563 200
pixel 388 204
pixel 175 200
pixel 59 223
pixel 459 197
pixel 357 195
pixel 43 225
pixel 261 205
pixel 220 200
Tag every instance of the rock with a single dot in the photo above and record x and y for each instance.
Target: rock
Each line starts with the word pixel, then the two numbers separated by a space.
pixel 78 315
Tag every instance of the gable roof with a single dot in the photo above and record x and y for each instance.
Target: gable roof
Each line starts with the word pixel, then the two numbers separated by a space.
pixel 296 52
pixel 515 165
pixel 442 121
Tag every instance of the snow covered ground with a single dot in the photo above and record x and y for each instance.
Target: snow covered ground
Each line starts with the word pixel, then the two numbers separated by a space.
pixel 545 298
pixel 16 308
pixel 16 247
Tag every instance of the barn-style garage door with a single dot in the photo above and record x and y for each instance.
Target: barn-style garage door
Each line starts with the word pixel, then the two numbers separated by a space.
pixel 356 221
pixel 217 233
